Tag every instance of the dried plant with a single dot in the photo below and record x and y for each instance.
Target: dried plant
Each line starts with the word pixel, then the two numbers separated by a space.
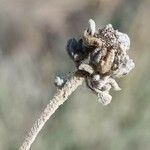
pixel 100 56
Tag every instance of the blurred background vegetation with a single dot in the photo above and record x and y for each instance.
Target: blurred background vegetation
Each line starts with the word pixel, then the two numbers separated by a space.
pixel 33 37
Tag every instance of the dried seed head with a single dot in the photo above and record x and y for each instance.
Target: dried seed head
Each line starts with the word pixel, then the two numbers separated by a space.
pixel 103 55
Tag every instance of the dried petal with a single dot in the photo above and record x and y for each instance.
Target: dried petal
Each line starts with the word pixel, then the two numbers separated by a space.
pixel 124 67
pixel 124 40
pixel 72 45
pixel 86 67
pixel 114 84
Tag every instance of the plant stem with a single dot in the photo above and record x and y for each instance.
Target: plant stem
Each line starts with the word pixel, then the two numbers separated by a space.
pixel 59 98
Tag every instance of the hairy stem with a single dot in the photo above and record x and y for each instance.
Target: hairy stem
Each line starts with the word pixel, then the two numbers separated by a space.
pixel 59 98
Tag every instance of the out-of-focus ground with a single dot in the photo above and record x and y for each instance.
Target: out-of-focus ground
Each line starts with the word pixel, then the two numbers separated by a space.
pixel 33 37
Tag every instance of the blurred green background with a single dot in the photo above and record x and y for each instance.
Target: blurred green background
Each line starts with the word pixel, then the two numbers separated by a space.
pixel 33 37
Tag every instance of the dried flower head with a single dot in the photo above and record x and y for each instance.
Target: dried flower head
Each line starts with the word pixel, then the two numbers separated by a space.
pixel 102 54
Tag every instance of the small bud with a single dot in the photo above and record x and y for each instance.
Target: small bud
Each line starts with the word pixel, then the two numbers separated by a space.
pixel 104 97
pixel 92 26
pixel 59 82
